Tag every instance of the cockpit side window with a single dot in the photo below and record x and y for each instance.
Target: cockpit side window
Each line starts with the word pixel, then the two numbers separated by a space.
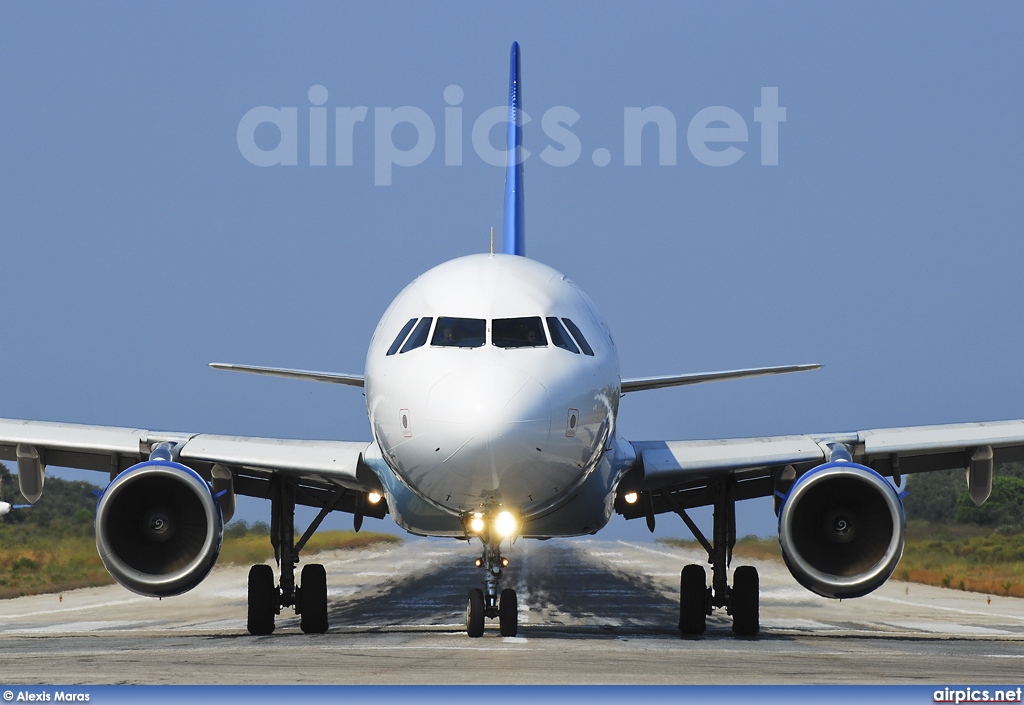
pixel 559 337
pixel 419 335
pixel 518 333
pixel 578 335
pixel 459 332
pixel 402 335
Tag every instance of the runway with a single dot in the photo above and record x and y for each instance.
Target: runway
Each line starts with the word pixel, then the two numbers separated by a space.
pixel 590 612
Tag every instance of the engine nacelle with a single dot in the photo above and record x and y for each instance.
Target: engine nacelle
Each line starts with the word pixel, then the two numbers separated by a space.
pixel 158 528
pixel 842 529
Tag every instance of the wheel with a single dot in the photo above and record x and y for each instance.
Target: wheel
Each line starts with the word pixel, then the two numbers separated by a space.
pixel 744 599
pixel 313 617
pixel 475 613
pixel 693 599
pixel 263 600
pixel 508 612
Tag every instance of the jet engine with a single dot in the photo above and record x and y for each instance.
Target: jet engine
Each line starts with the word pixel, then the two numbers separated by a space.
pixel 842 529
pixel 158 528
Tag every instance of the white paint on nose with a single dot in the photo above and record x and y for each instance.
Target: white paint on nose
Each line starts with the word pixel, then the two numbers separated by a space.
pixel 487 399
pixel 490 424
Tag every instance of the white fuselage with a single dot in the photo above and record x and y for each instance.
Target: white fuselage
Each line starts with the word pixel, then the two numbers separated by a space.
pixel 495 408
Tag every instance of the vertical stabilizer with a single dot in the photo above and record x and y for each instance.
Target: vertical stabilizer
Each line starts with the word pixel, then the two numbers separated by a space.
pixel 514 235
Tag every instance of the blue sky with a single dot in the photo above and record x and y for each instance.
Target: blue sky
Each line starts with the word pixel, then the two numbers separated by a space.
pixel 139 243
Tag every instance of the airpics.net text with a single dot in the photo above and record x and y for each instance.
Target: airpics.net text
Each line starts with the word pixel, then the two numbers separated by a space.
pixel 712 134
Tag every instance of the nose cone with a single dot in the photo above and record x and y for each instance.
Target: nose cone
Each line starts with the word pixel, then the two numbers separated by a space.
pixel 489 422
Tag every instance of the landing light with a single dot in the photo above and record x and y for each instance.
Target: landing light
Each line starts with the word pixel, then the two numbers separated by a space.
pixel 630 497
pixel 476 524
pixel 373 497
pixel 506 524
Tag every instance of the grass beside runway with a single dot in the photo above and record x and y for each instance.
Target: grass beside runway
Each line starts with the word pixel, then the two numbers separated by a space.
pixel 962 557
pixel 35 560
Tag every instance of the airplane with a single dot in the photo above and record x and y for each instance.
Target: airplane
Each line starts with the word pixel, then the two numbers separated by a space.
pixel 492 389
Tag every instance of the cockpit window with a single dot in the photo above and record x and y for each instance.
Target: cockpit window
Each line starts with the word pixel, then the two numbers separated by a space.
pixel 518 333
pixel 401 336
pixel 578 335
pixel 559 337
pixel 419 335
pixel 459 332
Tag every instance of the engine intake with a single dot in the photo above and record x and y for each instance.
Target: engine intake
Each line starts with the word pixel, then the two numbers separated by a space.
pixel 158 528
pixel 842 529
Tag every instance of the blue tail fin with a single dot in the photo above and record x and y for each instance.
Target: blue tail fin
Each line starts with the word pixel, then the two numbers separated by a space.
pixel 514 236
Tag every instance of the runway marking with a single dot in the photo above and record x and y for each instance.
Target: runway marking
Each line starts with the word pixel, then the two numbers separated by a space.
pixel 945 627
pixel 61 609
pixel 958 610
pixel 798 625
pixel 650 550
pixel 391 647
pixel 120 626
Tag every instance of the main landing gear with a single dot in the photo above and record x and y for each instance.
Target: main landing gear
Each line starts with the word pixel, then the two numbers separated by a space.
pixel 696 599
pixel 487 602
pixel 267 599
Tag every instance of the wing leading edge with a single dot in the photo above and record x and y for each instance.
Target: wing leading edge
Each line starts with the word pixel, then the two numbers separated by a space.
pixel 638 384
pixel 686 469
pixel 330 377
pixel 321 467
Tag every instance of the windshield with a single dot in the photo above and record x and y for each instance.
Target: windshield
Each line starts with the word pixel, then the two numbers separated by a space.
pixel 419 335
pixel 459 332
pixel 518 333
pixel 401 336
pixel 578 335
pixel 559 337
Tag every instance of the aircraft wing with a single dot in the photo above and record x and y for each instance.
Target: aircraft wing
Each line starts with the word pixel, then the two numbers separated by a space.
pixel 680 474
pixel 321 467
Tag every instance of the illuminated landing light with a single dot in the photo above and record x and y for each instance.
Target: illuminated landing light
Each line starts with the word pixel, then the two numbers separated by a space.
pixel 373 497
pixel 630 497
pixel 476 524
pixel 506 525
pixel 504 562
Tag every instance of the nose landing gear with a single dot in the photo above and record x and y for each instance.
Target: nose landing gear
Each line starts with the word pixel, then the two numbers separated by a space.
pixel 487 602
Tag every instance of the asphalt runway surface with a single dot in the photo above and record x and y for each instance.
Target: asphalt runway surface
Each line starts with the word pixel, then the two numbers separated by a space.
pixel 591 612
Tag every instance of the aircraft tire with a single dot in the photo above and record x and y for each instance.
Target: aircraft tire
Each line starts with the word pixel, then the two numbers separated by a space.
pixel 744 597
pixel 692 600
pixel 313 618
pixel 508 612
pixel 475 613
pixel 262 600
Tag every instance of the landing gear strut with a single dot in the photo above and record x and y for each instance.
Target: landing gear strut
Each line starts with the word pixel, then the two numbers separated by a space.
pixel 696 599
pixel 266 599
pixel 487 602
